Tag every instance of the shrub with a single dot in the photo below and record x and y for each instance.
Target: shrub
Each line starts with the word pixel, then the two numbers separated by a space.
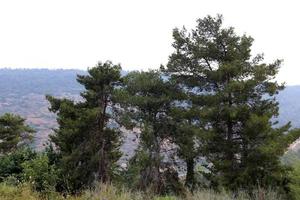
pixel 40 174
pixel 11 164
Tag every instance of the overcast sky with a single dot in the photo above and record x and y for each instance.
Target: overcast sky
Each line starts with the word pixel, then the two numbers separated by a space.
pixel 136 33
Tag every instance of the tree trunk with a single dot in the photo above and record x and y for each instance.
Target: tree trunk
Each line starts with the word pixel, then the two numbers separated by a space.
pixel 103 162
pixel 103 176
pixel 156 172
pixel 190 174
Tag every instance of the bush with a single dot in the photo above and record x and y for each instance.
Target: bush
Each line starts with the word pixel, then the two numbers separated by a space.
pixel 11 164
pixel 40 174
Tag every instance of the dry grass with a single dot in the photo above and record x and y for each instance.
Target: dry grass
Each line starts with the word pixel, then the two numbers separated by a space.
pixel 109 192
pixel 212 195
pixel 16 193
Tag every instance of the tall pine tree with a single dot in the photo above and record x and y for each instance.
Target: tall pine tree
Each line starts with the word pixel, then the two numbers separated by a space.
pixel 235 97
pixel 86 140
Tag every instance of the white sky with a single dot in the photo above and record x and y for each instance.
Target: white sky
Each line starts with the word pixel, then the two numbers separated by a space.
pixel 136 33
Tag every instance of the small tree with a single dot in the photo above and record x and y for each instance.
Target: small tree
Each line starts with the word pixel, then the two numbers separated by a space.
pixel 88 144
pixel 13 131
pixel 40 174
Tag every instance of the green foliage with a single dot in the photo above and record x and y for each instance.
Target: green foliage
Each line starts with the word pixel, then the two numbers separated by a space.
pixel 26 166
pixel 13 131
pixel 294 185
pixel 137 163
pixel 52 154
pixel 146 100
pixel 86 141
pixel 235 98
pixel 40 174
pixel 213 100
pixel 11 164
pixel 190 139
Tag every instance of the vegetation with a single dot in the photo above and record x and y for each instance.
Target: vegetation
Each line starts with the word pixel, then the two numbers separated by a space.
pixel 88 147
pixel 227 88
pixel 11 164
pixel 13 132
pixel 212 102
pixel 146 99
pixel 112 193
pixel 40 173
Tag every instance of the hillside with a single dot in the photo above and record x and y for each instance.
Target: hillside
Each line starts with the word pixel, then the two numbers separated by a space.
pixel 289 107
pixel 23 91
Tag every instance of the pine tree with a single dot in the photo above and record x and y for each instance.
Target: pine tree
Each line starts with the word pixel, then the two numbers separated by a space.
pixel 13 132
pixel 146 100
pixel 86 140
pixel 234 94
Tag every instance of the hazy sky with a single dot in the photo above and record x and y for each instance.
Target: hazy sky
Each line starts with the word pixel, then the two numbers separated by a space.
pixel 136 33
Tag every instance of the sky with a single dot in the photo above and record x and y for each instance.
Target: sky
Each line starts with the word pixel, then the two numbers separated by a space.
pixel 137 33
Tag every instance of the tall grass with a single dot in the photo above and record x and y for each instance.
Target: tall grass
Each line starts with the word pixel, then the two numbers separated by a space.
pixel 8 192
pixel 212 195
pixel 109 192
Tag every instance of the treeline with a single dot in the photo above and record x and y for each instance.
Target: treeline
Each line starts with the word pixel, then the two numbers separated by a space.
pixel 213 100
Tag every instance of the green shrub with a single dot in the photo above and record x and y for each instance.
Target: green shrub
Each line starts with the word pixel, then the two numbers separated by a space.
pixel 11 164
pixel 40 174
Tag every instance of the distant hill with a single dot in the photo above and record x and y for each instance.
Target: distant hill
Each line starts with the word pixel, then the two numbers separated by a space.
pixel 39 81
pixel 289 105
pixel 23 91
